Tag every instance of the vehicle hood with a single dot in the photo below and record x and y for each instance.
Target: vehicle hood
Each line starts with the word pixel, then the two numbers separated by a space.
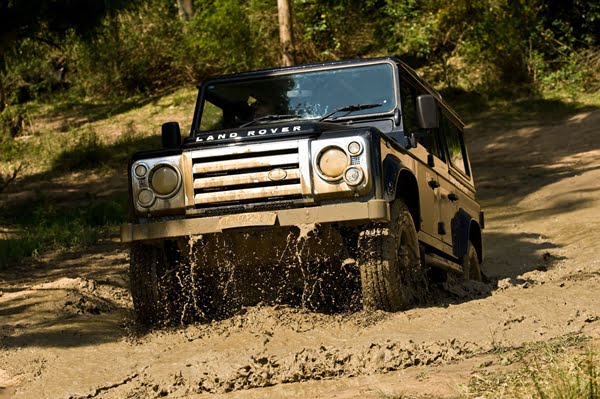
pixel 271 131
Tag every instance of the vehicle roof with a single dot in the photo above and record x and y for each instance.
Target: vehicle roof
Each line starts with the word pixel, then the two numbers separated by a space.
pixel 262 72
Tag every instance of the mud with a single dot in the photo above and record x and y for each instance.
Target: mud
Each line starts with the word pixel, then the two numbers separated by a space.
pixel 67 328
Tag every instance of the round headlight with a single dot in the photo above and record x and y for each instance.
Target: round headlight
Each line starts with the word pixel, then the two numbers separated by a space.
pixel 164 180
pixel 353 176
pixel 332 162
pixel 145 197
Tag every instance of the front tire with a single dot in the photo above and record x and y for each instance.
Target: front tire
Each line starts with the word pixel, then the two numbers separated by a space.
pixel 152 278
pixel 391 273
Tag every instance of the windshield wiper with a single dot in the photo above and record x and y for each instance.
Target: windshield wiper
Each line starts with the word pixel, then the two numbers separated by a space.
pixel 273 117
pixel 348 109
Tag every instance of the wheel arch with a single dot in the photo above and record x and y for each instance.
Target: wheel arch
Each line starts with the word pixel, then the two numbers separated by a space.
pixel 400 182
pixel 464 229
pixel 476 239
pixel 407 189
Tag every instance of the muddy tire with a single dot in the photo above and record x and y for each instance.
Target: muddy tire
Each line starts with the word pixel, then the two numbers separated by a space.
pixel 391 273
pixel 152 282
pixel 470 264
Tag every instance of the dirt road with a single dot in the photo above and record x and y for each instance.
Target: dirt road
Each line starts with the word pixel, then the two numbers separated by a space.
pixel 67 331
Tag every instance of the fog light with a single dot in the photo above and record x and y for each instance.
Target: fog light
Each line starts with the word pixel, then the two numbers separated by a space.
pixel 354 148
pixel 164 180
pixel 145 198
pixel 353 176
pixel 332 161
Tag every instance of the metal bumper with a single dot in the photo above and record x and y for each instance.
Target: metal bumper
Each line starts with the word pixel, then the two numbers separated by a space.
pixel 374 210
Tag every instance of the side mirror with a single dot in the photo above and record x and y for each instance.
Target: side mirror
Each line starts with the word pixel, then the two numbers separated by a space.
pixel 427 113
pixel 171 135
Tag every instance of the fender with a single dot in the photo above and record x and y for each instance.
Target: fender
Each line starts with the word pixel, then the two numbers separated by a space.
pixel 391 171
pixel 462 224
pixel 399 181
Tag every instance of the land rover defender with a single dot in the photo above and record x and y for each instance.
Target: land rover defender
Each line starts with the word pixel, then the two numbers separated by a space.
pixel 343 167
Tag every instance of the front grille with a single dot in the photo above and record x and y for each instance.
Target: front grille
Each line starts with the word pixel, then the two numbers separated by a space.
pixel 246 174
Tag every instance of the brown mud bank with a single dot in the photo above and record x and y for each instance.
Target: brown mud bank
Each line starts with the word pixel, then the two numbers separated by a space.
pixel 67 328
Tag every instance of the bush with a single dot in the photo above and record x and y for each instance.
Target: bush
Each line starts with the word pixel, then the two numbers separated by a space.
pixel 133 51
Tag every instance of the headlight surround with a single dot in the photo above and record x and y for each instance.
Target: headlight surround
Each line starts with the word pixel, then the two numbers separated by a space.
pixel 331 163
pixel 157 185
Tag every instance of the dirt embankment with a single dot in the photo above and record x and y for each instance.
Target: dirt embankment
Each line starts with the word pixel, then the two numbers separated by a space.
pixel 67 329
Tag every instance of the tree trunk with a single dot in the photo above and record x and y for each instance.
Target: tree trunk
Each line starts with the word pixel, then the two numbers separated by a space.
pixel 2 95
pixel 286 37
pixel 186 10
pixel 2 92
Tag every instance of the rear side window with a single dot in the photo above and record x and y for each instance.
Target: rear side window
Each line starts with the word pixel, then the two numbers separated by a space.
pixel 457 153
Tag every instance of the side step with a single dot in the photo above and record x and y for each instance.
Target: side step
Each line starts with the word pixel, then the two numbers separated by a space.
pixel 444 264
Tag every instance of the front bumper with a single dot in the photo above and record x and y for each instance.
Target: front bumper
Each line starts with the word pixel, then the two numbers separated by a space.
pixel 374 210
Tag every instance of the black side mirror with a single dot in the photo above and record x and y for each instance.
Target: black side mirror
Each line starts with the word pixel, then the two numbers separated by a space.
pixel 427 113
pixel 171 135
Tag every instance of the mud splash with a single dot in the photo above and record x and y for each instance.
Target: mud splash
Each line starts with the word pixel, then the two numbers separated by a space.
pixel 307 266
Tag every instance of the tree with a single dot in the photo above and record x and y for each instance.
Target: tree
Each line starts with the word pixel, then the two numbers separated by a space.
pixel 46 21
pixel 186 10
pixel 286 37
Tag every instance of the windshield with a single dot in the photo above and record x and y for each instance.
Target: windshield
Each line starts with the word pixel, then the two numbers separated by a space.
pixel 300 95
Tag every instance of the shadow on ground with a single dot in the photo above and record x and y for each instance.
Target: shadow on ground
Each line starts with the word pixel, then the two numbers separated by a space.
pixel 66 301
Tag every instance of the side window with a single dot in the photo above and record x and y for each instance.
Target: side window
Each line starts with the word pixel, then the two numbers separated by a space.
pixel 456 145
pixel 429 139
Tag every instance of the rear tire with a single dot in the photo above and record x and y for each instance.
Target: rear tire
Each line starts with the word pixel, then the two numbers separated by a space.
pixel 391 273
pixel 471 265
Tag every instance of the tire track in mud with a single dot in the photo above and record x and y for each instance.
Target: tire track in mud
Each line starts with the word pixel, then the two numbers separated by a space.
pixel 328 362
pixel 320 363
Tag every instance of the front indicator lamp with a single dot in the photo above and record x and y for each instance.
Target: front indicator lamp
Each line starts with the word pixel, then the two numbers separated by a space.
pixel 146 198
pixel 354 176
pixel 354 148
pixel 140 170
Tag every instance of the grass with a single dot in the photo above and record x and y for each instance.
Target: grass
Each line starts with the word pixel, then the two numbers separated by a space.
pixel 565 368
pixel 497 111
pixel 41 225
pixel 64 140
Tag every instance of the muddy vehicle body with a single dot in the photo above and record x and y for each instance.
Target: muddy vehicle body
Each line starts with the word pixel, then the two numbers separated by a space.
pixel 313 173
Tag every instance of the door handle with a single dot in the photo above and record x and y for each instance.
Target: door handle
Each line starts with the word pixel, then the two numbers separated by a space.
pixel 433 184
pixel 453 197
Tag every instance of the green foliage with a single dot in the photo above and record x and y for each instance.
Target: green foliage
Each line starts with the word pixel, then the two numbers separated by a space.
pixel 33 68
pixel 220 38
pixel 140 47
pixel 134 51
